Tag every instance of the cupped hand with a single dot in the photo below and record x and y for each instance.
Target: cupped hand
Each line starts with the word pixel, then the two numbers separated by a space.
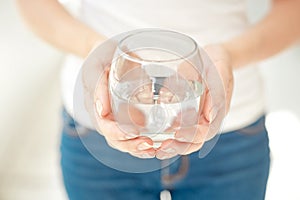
pixel 95 74
pixel 215 104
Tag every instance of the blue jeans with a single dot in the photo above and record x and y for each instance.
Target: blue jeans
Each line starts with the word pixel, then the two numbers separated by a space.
pixel 236 169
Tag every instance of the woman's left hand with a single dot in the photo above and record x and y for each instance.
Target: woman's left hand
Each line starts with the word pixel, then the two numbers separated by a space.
pixel 216 102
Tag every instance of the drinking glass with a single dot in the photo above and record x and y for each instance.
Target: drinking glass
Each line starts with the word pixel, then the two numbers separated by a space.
pixel 156 83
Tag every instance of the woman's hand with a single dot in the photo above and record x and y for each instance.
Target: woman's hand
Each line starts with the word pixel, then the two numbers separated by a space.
pixel 216 102
pixel 95 73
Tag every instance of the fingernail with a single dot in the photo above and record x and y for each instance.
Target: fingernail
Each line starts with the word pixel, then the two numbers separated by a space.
pixel 146 155
pixel 163 157
pixel 213 113
pixel 99 108
pixel 169 150
pixel 144 146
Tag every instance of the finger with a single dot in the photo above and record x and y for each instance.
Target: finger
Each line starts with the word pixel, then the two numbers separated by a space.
pixel 143 93
pixel 129 119
pixel 125 65
pixel 101 96
pixel 144 154
pixel 140 146
pixel 171 148
pixel 130 115
pixel 98 60
pixel 166 150
pixel 188 71
pixel 93 67
pixel 213 114
pixel 186 118
pixel 193 134
pixel 166 95
pixel 175 88
pixel 111 131
pixel 209 110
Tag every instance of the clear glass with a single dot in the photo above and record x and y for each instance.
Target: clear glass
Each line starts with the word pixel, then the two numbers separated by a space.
pixel 155 83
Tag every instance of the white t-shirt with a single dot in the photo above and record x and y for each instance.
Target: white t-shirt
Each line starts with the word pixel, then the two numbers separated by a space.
pixel 207 21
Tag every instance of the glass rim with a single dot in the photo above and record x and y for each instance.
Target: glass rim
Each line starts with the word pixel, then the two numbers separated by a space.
pixel 180 57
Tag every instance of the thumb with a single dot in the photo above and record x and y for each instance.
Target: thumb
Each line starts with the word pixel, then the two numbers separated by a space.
pixel 210 111
pixel 101 95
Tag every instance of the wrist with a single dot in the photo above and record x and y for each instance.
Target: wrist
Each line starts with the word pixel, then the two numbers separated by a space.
pixel 219 52
pixel 232 54
pixel 92 40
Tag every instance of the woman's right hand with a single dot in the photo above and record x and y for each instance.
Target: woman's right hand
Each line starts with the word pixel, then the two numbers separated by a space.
pixel 95 74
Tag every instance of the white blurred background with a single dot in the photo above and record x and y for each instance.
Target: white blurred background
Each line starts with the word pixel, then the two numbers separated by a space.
pixel 30 114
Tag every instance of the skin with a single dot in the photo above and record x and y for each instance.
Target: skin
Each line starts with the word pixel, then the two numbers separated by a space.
pixel 278 30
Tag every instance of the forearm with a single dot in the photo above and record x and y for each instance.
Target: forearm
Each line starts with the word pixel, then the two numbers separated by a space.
pixel 53 23
pixel 278 30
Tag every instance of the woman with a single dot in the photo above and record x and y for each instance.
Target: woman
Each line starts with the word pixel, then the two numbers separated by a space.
pixel 238 166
